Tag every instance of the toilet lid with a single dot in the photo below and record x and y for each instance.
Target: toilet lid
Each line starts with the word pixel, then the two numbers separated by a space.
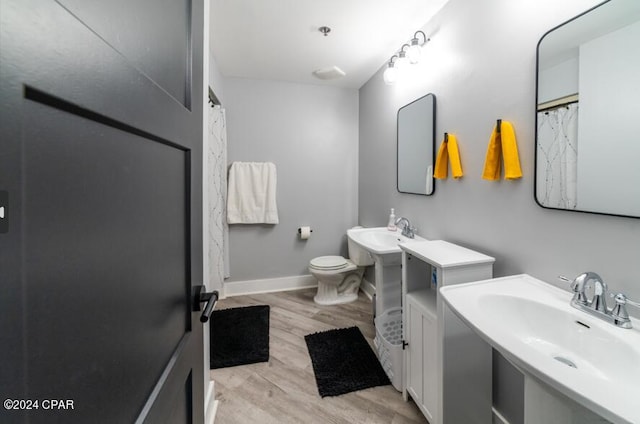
pixel 328 262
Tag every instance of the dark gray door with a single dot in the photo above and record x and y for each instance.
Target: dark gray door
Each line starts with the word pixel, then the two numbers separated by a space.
pixel 101 210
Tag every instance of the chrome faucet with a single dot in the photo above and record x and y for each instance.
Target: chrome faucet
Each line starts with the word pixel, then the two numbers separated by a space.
pixel 597 306
pixel 407 229
pixel 579 287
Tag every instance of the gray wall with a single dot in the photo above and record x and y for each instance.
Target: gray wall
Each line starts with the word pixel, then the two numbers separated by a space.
pixel 216 80
pixel 612 115
pixel 479 75
pixel 558 80
pixel 311 134
pixel 481 66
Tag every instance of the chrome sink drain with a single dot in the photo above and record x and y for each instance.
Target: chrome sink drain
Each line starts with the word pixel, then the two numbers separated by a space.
pixel 565 361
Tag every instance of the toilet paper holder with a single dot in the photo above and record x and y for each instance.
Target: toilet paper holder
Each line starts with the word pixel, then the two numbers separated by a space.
pixel 300 230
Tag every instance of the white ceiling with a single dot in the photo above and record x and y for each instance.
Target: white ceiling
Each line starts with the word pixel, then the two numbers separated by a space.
pixel 279 39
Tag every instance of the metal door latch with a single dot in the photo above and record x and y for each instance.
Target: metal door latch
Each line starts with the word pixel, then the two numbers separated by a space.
pixel 201 296
pixel 4 211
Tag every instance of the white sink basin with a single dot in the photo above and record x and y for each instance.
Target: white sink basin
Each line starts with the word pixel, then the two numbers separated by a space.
pixel 379 246
pixel 532 324
pixel 379 240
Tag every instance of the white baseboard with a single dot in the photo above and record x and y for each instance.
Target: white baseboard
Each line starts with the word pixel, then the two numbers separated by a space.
pixel 268 285
pixel 497 417
pixel 210 404
pixel 368 288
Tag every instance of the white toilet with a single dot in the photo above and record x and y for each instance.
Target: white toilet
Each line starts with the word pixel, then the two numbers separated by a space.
pixel 339 278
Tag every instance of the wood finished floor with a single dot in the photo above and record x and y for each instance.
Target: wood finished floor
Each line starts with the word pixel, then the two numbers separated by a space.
pixel 284 390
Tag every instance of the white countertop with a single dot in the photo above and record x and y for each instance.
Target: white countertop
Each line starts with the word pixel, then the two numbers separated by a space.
pixel 444 254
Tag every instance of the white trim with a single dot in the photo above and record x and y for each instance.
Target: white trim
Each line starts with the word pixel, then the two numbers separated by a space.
pixel 205 143
pixel 209 409
pixel 268 285
pixel 368 288
pixel 210 404
pixel 497 417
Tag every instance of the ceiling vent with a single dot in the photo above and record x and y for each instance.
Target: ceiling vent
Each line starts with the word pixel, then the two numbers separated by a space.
pixel 332 72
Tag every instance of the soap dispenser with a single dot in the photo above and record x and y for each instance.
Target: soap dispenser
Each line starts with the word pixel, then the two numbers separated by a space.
pixel 391 226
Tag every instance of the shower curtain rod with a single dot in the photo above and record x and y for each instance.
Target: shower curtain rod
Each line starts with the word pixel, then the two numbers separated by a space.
pixel 556 103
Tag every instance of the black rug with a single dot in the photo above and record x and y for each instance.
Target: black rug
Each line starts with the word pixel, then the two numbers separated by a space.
pixel 344 362
pixel 239 336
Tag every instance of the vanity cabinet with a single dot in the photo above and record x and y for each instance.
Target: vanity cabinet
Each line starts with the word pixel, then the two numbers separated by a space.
pixel 421 324
pixel 426 266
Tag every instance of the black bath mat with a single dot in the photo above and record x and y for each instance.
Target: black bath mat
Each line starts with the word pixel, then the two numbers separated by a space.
pixel 343 362
pixel 239 336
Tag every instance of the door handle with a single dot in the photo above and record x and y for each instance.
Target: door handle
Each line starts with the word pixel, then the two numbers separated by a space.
pixel 201 296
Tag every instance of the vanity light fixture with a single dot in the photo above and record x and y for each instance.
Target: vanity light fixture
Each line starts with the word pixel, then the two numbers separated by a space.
pixel 391 73
pixel 415 50
pixel 403 58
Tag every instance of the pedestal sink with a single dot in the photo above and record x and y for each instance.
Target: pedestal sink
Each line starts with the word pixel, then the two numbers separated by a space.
pixel 588 360
pixel 381 246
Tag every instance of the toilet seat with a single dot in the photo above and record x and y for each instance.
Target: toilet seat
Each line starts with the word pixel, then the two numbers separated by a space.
pixel 327 263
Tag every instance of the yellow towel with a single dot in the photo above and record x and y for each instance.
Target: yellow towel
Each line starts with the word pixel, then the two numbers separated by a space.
pixel 448 149
pixel 502 142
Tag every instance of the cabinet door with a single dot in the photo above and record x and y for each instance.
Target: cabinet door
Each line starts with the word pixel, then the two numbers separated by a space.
pixel 430 365
pixel 422 383
pixel 414 356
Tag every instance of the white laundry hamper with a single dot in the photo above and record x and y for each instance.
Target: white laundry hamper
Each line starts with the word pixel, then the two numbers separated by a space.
pixel 388 343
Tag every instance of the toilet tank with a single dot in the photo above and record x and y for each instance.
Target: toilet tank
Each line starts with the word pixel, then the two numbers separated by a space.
pixel 358 255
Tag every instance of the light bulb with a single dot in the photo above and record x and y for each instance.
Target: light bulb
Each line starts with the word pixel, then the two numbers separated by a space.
pixel 390 75
pixel 402 60
pixel 414 52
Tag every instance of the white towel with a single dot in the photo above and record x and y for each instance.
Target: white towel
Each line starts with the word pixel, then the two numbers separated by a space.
pixel 251 196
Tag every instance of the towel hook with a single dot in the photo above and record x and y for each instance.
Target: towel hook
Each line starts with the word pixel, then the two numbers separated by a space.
pixel 446 137
pixel 498 125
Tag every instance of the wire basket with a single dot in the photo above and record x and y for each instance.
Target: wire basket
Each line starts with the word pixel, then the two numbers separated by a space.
pixel 388 343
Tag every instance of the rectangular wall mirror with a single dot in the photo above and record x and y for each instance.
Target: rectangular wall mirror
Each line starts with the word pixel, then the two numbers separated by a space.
pixel 587 126
pixel 416 146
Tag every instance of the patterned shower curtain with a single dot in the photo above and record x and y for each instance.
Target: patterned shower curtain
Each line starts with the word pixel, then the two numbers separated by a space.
pixel 558 157
pixel 217 185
